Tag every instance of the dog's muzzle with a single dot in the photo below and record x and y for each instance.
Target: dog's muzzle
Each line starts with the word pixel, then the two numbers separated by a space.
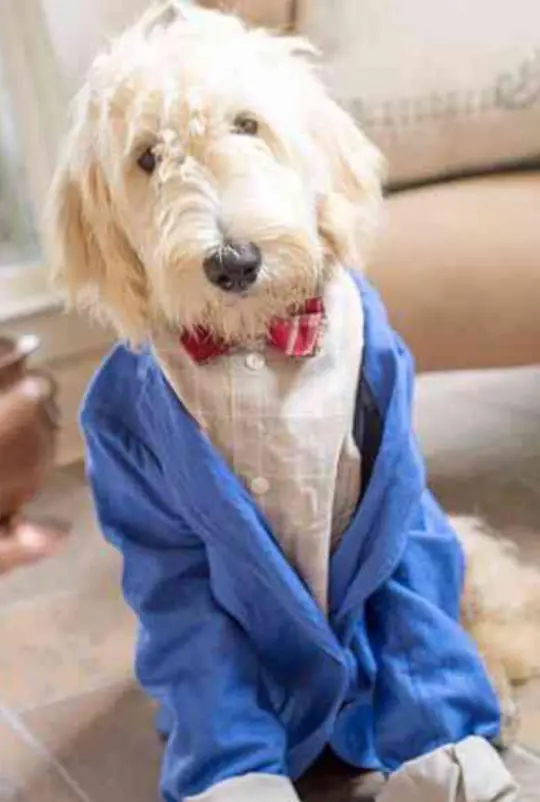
pixel 234 266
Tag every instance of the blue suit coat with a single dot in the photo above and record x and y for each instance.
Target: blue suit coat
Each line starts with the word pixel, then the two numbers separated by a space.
pixel 253 676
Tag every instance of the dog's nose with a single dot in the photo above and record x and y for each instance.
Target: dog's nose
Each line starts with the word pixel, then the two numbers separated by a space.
pixel 234 267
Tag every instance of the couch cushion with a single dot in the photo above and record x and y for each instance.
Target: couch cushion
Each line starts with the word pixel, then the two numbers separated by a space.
pixel 443 88
pixel 270 13
pixel 458 265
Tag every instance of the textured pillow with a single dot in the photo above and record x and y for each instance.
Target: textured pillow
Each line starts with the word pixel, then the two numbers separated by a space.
pixel 444 88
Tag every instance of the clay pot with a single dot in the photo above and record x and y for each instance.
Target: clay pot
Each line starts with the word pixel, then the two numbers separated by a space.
pixel 28 426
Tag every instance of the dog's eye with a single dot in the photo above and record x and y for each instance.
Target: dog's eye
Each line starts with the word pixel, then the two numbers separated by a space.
pixel 246 125
pixel 147 161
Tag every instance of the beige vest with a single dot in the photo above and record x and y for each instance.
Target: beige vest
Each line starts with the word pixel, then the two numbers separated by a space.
pixel 285 427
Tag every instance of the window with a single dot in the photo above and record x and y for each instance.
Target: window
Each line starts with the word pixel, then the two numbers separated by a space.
pixel 31 119
pixel 18 241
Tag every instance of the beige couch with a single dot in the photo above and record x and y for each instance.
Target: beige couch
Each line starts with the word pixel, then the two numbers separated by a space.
pixel 459 261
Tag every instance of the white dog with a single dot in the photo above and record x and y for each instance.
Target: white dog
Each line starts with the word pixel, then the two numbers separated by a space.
pixel 210 184
pixel 302 182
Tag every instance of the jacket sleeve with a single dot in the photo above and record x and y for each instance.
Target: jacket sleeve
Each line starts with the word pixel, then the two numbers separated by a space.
pixel 192 657
pixel 428 668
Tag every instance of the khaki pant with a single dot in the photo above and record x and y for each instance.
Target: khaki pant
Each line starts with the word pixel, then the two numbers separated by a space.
pixel 470 771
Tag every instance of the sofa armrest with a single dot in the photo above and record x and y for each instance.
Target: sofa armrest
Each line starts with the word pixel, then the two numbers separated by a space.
pixel 458 265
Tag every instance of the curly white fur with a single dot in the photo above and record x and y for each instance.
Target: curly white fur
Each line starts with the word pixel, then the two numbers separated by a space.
pixel 501 610
pixel 306 190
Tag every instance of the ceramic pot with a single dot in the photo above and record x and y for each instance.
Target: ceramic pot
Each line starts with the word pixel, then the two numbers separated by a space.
pixel 28 426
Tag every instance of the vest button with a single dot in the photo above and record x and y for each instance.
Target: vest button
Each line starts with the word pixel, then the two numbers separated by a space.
pixel 255 361
pixel 260 486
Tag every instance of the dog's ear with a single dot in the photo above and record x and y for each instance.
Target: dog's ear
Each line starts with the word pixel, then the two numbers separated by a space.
pixel 163 13
pixel 90 255
pixel 352 174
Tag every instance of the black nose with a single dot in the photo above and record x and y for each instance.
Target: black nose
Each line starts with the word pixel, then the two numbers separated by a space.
pixel 234 267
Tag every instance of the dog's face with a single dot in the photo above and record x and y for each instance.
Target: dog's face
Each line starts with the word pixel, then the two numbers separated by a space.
pixel 208 179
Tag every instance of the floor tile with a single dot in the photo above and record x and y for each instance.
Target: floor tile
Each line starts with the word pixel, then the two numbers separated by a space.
pixel 524 766
pixel 60 646
pixel 84 559
pixel 106 741
pixel 26 775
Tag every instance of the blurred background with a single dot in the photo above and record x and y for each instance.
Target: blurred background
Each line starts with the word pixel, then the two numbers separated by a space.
pixel 451 93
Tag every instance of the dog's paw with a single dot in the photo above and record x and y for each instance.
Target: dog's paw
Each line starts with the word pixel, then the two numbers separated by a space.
pixel 510 721
pixel 366 787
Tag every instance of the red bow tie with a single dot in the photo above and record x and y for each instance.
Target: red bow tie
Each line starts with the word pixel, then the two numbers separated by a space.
pixel 297 336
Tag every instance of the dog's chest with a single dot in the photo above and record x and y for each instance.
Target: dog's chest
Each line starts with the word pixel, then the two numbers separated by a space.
pixel 285 427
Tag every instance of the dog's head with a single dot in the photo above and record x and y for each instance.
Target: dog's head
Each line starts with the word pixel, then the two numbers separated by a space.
pixel 207 179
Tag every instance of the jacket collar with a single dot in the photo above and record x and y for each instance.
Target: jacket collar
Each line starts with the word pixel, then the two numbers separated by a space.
pixel 374 544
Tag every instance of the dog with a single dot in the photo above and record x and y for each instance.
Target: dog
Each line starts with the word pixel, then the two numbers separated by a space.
pixel 297 206
pixel 210 184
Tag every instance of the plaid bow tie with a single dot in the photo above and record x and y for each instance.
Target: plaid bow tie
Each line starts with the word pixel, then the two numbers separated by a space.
pixel 296 336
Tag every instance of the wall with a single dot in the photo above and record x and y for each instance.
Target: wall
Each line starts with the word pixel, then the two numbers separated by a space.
pixel 79 28
pixel 71 348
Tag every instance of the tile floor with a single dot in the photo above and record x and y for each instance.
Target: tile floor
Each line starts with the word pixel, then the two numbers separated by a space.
pixel 74 728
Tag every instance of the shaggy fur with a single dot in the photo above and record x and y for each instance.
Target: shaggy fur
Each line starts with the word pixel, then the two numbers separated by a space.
pixel 306 189
pixel 501 610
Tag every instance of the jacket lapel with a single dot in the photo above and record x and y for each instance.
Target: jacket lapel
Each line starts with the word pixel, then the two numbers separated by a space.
pixel 373 545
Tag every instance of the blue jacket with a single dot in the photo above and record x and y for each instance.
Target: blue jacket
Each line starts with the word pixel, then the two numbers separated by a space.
pixel 231 643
